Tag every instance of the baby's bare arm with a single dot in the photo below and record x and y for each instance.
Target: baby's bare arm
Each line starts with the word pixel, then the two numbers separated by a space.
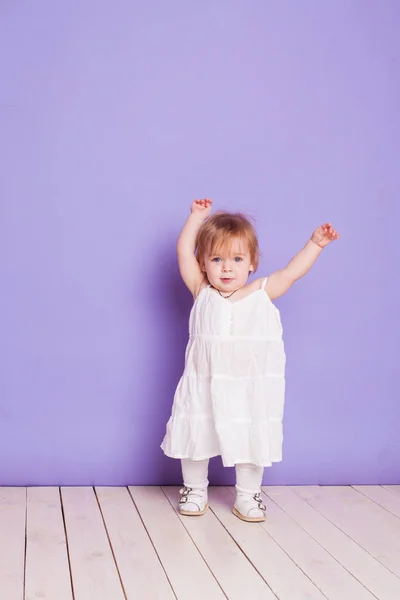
pixel 280 281
pixel 189 268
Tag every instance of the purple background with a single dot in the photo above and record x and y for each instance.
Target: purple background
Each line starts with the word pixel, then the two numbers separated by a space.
pixel 114 116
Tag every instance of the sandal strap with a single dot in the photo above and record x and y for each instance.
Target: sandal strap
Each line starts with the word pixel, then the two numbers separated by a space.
pixel 184 492
pixel 187 495
pixel 258 499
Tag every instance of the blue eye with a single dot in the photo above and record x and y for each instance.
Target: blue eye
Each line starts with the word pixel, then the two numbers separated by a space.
pixel 216 259
pixel 238 259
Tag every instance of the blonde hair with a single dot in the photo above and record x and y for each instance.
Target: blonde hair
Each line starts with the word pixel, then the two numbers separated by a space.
pixel 221 229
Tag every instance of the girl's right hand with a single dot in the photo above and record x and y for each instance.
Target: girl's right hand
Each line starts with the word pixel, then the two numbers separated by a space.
pixel 202 208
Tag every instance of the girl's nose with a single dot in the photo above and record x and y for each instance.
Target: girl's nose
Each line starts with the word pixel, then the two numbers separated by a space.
pixel 226 267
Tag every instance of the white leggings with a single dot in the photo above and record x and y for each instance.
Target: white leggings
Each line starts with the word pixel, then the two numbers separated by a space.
pixel 248 476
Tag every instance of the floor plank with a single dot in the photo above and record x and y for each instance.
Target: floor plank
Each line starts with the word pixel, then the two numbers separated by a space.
pixel 12 542
pixel 385 498
pixel 284 577
pixel 185 567
pixel 392 488
pixel 94 574
pixel 355 559
pixel 141 572
pixel 47 568
pixel 235 574
pixel 372 527
pixel 341 543
pixel 328 575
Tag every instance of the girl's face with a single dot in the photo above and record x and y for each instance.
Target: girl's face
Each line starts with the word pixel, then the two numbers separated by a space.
pixel 229 270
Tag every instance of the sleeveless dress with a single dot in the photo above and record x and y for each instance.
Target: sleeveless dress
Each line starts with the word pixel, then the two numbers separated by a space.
pixel 229 400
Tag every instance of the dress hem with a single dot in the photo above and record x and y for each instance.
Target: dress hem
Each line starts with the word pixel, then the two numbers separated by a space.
pixel 225 464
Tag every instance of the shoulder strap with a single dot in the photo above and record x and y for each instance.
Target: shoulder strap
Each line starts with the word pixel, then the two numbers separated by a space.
pixel 264 283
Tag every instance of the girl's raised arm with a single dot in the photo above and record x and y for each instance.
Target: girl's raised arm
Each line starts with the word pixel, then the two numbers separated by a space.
pixel 280 281
pixel 189 268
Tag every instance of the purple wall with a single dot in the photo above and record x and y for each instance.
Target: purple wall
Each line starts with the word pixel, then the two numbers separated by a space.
pixel 114 116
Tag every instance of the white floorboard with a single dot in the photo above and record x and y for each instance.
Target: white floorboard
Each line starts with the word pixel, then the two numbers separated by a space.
pixel 94 574
pixel 235 573
pixel 181 558
pixel 392 488
pixel 322 568
pixel 47 572
pixel 285 578
pixel 385 498
pixel 368 524
pixel 118 543
pixel 141 571
pixel 12 542
pixel 357 561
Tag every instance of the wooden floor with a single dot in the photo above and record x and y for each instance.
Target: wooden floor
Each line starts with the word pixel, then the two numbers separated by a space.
pixel 129 543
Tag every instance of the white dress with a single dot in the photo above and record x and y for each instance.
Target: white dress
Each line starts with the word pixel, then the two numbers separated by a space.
pixel 229 400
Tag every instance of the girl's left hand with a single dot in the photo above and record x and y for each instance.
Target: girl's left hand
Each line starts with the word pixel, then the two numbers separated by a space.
pixel 324 235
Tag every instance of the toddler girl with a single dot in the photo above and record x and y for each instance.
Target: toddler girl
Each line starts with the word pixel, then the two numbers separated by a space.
pixel 229 400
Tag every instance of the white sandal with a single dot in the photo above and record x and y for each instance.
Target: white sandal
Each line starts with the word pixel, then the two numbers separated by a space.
pixel 249 508
pixel 193 502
